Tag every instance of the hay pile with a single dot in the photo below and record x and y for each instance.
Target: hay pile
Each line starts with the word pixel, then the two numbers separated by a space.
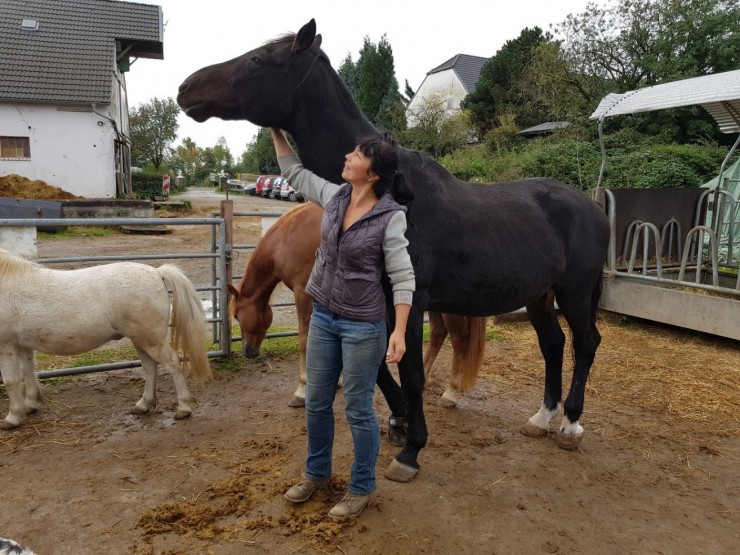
pixel 17 186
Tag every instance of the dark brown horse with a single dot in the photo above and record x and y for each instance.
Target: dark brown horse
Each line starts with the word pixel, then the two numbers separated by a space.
pixel 286 253
pixel 477 250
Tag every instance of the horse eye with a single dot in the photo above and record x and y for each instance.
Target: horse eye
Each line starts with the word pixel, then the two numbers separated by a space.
pixel 257 60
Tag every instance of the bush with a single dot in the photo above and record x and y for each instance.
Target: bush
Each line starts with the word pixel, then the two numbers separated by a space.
pixel 146 186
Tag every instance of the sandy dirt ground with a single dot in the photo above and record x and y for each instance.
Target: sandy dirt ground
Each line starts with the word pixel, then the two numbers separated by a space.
pixel 658 470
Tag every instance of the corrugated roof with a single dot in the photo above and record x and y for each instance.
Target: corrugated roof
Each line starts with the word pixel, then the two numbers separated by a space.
pixel 72 56
pixel 544 127
pixel 719 94
pixel 466 67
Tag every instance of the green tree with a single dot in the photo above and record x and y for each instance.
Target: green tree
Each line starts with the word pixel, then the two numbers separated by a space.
pixel 436 132
pixel 187 159
pixel 153 128
pixel 629 44
pixel 373 84
pixel 496 92
pixel 260 154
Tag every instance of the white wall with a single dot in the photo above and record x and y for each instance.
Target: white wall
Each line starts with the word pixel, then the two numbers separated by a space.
pixel 444 84
pixel 71 147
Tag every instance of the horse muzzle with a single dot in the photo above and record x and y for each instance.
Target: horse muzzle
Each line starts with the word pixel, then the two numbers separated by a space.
pixel 249 351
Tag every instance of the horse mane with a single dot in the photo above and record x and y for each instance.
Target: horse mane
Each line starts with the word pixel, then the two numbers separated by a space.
pixel 12 266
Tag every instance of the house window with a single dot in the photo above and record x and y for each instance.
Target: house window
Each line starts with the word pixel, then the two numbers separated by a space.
pixel 15 147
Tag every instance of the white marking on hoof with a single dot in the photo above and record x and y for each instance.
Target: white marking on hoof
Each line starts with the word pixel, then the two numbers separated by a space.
pixel 539 424
pixel 399 472
pixel 449 399
pixel 297 402
pixel 570 434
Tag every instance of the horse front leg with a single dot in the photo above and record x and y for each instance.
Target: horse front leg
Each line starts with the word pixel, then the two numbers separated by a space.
pixel 411 370
pixel 10 369
pixel 552 342
pixel 304 308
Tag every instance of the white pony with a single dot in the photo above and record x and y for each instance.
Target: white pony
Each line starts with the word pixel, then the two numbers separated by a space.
pixel 67 312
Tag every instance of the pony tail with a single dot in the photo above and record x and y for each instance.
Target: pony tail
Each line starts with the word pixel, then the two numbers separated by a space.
pixel 400 190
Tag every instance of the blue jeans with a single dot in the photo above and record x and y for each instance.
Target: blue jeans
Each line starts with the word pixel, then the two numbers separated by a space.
pixel 355 349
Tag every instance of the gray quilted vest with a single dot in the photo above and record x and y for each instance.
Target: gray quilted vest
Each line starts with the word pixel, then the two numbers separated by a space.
pixel 346 275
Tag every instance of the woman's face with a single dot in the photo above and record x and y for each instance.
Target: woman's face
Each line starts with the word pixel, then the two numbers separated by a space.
pixel 357 168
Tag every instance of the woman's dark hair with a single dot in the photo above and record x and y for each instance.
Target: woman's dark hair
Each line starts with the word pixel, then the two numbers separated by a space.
pixel 384 164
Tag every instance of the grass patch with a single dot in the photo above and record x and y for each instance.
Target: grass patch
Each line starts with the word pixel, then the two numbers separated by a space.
pixel 79 231
pixel 102 356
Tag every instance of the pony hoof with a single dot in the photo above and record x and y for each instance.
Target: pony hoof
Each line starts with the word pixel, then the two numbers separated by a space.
pixel 447 403
pixel 6 426
pixel 569 442
pixel 296 402
pixel 399 472
pixel 181 414
pixel 139 410
pixel 530 430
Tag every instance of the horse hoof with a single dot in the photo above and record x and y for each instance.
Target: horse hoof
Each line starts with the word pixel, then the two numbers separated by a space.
pixel 139 410
pixel 6 426
pixel 297 402
pixel 181 414
pixel 447 403
pixel 569 442
pixel 399 472
pixel 530 430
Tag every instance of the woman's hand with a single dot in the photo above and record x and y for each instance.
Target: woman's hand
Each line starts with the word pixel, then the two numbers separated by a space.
pixel 396 347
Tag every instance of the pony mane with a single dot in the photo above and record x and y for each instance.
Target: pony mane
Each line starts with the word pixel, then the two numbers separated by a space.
pixel 13 266
pixel 287 38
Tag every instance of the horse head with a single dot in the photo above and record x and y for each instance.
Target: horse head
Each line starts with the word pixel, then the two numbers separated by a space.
pixel 258 86
pixel 254 319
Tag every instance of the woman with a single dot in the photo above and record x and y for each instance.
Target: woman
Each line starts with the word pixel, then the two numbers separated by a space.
pixel 362 234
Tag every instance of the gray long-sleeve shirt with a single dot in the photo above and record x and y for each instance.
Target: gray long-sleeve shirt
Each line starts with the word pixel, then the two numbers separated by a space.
pixel 397 261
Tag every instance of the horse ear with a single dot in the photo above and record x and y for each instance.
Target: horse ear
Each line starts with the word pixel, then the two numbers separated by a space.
pixel 304 38
pixel 233 290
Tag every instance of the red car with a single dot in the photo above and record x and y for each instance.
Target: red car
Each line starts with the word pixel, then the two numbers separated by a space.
pixel 264 181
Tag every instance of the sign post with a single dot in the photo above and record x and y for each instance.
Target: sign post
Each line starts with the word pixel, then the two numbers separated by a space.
pixel 166 186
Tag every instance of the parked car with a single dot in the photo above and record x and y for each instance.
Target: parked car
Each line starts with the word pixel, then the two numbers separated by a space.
pixel 262 180
pixel 287 192
pixel 269 186
pixel 250 189
pixel 235 185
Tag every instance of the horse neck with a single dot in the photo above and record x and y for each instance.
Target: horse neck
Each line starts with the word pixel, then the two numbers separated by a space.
pixel 259 280
pixel 326 123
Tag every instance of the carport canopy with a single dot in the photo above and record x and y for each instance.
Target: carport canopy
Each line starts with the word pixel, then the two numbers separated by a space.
pixel 719 94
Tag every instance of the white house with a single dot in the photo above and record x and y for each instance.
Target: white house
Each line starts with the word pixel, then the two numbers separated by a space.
pixel 450 83
pixel 63 104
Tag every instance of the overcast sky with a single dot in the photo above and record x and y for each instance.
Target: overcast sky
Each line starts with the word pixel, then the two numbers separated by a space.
pixel 422 33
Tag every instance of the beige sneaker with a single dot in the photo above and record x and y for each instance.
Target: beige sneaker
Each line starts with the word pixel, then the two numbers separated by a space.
pixel 303 490
pixel 350 505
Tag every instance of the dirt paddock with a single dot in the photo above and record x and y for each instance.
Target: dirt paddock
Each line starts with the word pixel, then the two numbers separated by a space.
pixel 658 470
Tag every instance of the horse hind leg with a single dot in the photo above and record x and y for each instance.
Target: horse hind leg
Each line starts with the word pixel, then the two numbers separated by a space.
pixel 437 336
pixel 552 342
pixel 167 357
pixel 468 338
pixel 580 313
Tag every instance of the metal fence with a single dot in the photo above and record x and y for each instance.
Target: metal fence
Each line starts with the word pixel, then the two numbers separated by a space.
pixel 219 254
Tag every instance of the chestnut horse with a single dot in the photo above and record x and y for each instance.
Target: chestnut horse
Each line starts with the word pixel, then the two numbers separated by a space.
pixel 286 253
pixel 477 250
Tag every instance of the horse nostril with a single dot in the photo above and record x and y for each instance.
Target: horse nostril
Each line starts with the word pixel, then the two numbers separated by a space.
pixel 184 86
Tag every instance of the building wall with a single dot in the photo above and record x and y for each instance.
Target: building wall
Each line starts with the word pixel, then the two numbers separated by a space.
pixel 72 147
pixel 443 84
